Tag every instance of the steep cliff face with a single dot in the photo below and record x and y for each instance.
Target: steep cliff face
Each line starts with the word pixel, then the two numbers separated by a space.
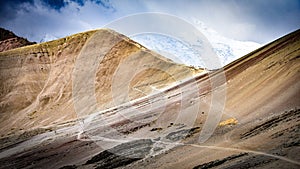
pixel 8 40
pixel 36 81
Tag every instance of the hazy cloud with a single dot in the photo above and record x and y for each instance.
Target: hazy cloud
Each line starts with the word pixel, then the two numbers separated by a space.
pixel 252 20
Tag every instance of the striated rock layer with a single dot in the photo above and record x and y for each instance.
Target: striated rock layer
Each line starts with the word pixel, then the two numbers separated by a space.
pixel 36 81
pixel 9 40
pixel 259 125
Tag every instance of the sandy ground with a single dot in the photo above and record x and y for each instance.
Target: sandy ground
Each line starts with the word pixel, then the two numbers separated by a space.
pixel 162 129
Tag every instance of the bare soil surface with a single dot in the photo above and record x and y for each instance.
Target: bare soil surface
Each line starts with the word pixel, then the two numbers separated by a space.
pixel 156 128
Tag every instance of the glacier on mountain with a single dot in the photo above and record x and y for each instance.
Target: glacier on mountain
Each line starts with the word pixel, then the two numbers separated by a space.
pixel 226 49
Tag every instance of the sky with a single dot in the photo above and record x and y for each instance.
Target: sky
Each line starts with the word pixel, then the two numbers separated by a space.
pixel 259 21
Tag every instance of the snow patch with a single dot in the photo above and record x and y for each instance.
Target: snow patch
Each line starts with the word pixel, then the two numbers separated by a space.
pixel 226 49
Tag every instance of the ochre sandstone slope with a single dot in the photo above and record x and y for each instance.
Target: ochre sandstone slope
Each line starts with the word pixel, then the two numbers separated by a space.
pixel 259 127
pixel 36 81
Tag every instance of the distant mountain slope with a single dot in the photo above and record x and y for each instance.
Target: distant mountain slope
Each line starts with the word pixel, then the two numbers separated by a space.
pixel 260 119
pixel 227 49
pixel 263 100
pixel 8 40
pixel 5 34
pixel 36 81
pixel 47 38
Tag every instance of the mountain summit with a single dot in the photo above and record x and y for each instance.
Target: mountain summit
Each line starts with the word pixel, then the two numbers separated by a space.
pixel 101 100
pixel 226 49
pixel 8 40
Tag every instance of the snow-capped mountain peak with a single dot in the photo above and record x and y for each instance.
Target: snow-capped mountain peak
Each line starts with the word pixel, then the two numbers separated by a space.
pixel 226 49
pixel 48 37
